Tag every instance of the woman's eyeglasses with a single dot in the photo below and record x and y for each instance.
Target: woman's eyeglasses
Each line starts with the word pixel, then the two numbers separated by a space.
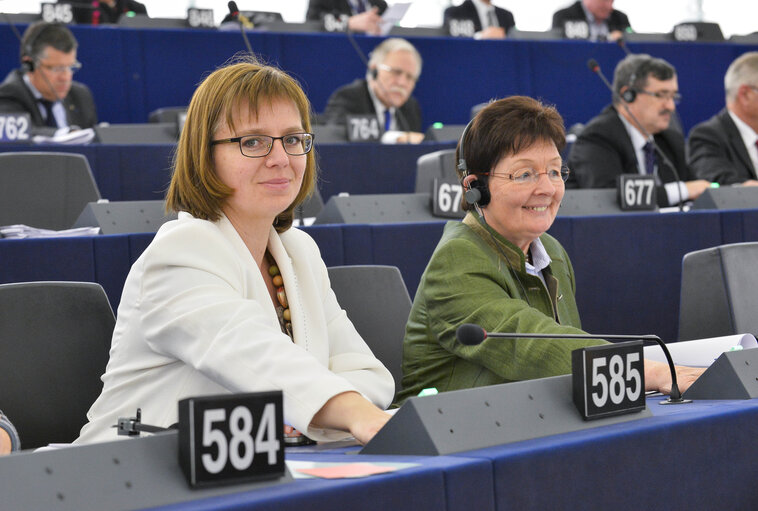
pixel 258 146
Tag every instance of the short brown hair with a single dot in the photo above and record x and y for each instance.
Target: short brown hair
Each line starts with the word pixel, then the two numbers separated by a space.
pixel 506 127
pixel 195 186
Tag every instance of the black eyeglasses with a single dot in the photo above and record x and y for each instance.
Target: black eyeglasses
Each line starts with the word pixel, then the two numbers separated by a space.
pixel 664 95
pixel 258 146
pixel 73 68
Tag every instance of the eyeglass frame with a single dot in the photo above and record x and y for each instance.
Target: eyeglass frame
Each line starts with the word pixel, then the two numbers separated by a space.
pixel 397 71
pixel 663 95
pixel 270 147
pixel 72 68
pixel 564 173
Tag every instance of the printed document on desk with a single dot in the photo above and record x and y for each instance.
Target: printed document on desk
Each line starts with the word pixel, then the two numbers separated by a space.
pixel 701 352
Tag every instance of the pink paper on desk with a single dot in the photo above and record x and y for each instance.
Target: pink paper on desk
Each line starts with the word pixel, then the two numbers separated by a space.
pixel 346 470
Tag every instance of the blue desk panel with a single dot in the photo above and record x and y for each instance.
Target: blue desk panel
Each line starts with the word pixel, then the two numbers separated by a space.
pixel 697 456
pixel 438 483
pixel 143 172
pixel 628 267
pixel 134 71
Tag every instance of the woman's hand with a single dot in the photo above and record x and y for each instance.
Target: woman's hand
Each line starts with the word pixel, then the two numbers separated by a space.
pixel 351 412
pixel 658 376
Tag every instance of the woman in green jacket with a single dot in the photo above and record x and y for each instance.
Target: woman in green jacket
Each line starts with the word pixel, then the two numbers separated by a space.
pixel 498 268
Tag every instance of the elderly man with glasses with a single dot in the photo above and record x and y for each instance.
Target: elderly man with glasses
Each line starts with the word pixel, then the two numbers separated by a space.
pixel 43 87
pixel 393 70
pixel 622 139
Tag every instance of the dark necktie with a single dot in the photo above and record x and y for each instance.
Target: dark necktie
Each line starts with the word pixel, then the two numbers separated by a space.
pixel 387 119
pixel 50 118
pixel 358 6
pixel 649 151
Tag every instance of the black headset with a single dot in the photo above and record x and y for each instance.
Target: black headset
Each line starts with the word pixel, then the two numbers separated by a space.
pixel 630 94
pixel 374 72
pixel 477 192
pixel 27 57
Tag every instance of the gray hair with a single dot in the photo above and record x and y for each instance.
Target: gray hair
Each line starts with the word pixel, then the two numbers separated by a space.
pixel 393 44
pixel 743 71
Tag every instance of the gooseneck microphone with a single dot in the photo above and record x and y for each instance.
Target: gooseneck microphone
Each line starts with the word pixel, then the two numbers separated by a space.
pixel 595 68
pixel 621 42
pixel 471 335
pixel 239 18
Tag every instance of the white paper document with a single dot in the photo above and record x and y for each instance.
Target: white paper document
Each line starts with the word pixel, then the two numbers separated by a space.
pixel 701 352
pixel 392 16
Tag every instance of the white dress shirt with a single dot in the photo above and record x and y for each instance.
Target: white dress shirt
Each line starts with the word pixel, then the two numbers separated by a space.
pixel 749 137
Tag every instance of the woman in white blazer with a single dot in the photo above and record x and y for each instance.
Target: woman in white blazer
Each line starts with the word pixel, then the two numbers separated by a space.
pixel 229 298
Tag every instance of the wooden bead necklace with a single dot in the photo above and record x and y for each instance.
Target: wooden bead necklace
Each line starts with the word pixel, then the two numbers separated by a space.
pixel 282 310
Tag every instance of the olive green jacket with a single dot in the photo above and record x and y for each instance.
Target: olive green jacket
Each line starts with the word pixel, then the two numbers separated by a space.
pixel 469 281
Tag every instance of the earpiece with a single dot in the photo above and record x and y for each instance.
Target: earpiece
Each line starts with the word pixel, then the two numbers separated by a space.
pixel 477 192
pixel 27 55
pixel 629 95
pixel 374 72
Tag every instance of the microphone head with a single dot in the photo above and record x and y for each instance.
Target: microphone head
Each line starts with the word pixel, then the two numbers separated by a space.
pixel 470 334
pixel 593 65
pixel 233 7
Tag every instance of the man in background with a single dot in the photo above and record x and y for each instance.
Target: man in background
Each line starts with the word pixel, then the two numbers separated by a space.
pixel 595 20
pixel 105 11
pixel 43 87
pixel 725 147
pixel 478 19
pixel 361 15
pixel 393 70
pixel 618 141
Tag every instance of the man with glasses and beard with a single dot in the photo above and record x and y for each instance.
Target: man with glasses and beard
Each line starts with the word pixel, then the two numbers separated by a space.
pixel 645 94
pixel 43 87
pixel 393 70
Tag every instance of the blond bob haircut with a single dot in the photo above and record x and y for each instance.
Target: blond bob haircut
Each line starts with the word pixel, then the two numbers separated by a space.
pixel 195 187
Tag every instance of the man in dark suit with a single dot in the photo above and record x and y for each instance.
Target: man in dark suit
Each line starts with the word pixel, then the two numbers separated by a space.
pixel 44 86
pixel 595 20
pixel 360 15
pixel 105 11
pixel 724 148
pixel 645 91
pixel 479 19
pixel 394 69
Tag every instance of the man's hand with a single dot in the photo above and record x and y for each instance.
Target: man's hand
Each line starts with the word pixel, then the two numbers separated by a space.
pixel 410 137
pixel 367 22
pixel 491 33
pixel 697 187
